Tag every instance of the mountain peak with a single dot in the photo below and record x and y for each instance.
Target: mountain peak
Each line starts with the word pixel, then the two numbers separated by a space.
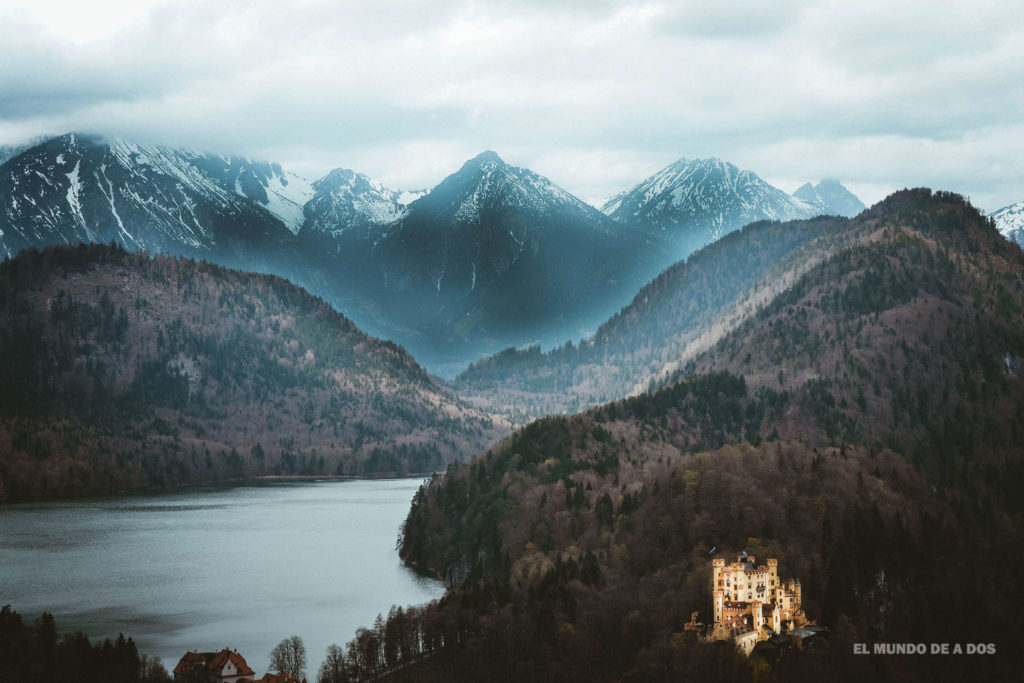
pixel 829 195
pixel 693 202
pixel 485 157
pixel 1010 222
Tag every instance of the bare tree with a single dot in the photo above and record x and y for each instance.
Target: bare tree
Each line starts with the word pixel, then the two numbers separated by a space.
pixel 151 670
pixel 289 657
pixel 332 670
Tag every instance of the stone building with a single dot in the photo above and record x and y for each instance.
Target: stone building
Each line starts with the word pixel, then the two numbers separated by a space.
pixel 751 603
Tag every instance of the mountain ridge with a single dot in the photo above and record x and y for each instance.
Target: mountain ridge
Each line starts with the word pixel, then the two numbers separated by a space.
pixel 1010 222
pixel 693 202
pixel 862 428
pixel 831 196
pixel 136 371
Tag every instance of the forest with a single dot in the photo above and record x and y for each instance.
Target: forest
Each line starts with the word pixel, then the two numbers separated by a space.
pixel 858 416
pixel 34 652
pixel 147 372
pixel 863 428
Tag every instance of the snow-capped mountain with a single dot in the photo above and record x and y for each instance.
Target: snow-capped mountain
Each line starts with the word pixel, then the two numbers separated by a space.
pixel 479 222
pixel 1010 222
pixel 344 201
pixel 831 197
pixel 282 193
pixel 492 252
pixel 87 188
pixel 693 202
pixel 486 184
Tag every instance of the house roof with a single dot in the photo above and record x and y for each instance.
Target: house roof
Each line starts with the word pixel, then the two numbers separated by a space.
pixel 213 661
pixel 191 661
pixel 280 678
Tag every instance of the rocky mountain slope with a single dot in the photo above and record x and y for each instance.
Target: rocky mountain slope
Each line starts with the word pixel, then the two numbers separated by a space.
pixel 494 254
pixel 831 197
pixel 694 202
pixel 78 188
pixel 1010 222
pixel 125 371
pixel 345 201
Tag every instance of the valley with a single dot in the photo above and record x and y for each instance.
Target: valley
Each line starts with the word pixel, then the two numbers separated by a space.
pixel 608 399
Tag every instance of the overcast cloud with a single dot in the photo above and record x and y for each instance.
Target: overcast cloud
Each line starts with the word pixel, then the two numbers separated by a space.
pixel 595 95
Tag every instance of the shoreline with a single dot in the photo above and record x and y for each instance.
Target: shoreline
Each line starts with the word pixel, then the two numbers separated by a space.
pixel 226 483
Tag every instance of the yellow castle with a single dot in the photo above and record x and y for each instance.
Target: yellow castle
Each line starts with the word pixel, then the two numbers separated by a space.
pixel 751 604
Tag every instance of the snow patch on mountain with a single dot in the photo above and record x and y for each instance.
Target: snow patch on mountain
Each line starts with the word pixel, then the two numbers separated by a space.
pixel 493 183
pixel 90 188
pixel 287 195
pixel 344 200
pixel 74 198
pixel 830 197
pixel 407 197
pixel 696 201
pixel 1010 222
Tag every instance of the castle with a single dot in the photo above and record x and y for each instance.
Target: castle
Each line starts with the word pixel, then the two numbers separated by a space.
pixel 751 604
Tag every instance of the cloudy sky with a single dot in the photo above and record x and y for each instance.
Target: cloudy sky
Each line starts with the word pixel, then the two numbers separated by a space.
pixel 595 94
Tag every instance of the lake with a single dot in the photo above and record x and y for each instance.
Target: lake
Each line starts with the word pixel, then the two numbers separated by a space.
pixel 204 569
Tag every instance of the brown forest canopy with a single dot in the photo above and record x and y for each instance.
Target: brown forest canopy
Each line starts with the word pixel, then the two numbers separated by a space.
pixel 864 427
pixel 120 370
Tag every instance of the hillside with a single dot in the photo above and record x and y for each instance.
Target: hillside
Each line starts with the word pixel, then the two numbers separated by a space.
pixel 123 371
pixel 871 444
pixel 671 319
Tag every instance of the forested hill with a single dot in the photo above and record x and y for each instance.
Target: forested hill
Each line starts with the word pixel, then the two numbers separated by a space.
pixel 872 444
pixel 670 318
pixel 122 371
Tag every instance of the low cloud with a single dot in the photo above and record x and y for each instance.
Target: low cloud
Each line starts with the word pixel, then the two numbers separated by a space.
pixel 592 94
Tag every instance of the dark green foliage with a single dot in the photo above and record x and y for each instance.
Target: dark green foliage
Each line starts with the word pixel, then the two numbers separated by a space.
pixel 35 653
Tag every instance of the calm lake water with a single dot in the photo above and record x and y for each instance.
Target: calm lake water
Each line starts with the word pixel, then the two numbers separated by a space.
pixel 205 569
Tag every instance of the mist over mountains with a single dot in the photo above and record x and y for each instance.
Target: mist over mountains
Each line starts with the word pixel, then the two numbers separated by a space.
pixel 691 203
pixel 493 256
pixel 830 196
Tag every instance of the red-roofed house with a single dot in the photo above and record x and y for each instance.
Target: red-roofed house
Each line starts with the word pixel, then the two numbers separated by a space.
pixel 226 666
pixel 279 678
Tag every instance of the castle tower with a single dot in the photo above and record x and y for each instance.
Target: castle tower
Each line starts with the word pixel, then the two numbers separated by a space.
pixel 756 614
pixel 719 597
